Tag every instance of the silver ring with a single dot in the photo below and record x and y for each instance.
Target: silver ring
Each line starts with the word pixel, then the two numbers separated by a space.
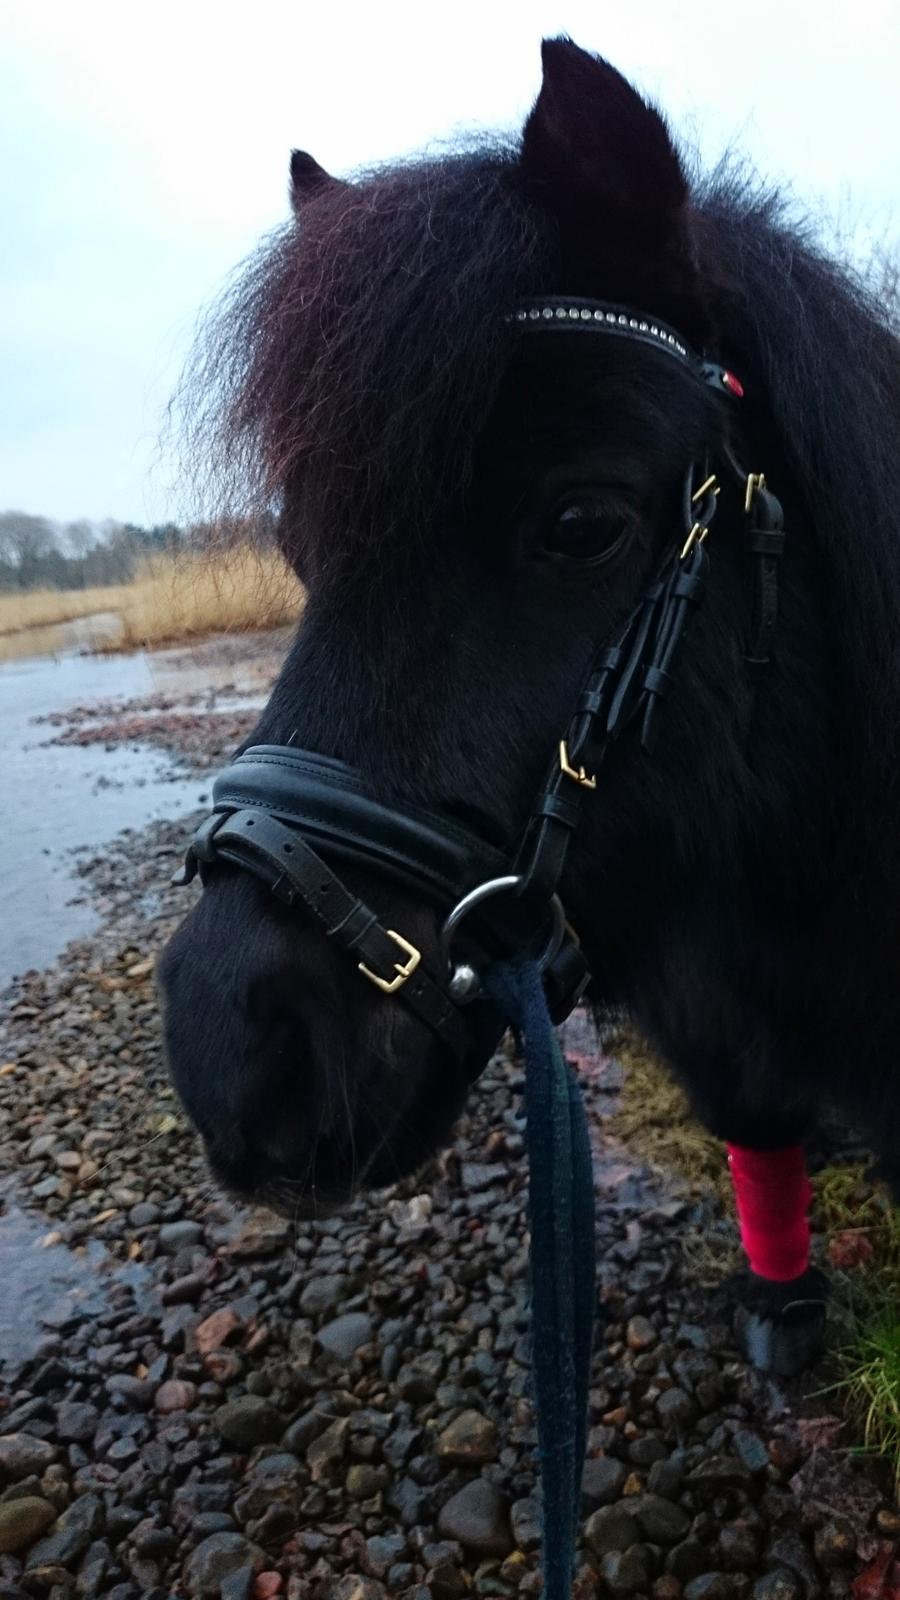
pixel 486 891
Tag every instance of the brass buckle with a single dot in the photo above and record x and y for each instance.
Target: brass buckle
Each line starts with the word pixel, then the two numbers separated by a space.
pixel 577 773
pixel 755 482
pixel 711 483
pixel 696 536
pixel 403 969
pixel 700 529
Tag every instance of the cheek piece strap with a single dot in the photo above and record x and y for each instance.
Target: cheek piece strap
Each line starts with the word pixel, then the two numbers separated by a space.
pixel 773 1194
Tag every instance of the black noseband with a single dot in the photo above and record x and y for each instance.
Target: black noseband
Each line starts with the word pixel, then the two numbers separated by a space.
pixel 290 816
pixel 334 808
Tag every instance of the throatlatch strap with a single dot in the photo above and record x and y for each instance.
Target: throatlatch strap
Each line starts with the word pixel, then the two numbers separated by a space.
pixel 562 1266
pixel 766 546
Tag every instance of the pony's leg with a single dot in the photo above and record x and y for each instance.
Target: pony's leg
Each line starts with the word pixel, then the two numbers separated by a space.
pixel 780 1299
pixel 780 1314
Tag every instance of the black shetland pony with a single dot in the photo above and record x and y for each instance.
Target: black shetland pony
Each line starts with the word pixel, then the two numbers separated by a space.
pixel 473 511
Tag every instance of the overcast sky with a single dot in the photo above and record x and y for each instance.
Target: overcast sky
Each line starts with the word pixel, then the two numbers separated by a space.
pixel 146 148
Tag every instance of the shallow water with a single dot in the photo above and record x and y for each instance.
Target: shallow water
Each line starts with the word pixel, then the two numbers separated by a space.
pixel 57 799
pixel 53 1285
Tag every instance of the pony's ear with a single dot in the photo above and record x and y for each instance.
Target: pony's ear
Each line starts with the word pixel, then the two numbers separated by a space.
pixel 600 159
pixel 308 179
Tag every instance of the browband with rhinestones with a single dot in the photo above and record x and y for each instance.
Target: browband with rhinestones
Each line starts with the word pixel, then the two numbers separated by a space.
pixel 574 313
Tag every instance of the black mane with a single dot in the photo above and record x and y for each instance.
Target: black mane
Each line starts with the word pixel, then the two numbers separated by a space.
pixel 820 354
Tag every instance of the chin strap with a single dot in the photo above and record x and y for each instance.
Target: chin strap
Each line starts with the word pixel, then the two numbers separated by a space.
pixel 773 1194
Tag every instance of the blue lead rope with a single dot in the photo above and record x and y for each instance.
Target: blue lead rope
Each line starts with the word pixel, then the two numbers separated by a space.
pixel 562 1266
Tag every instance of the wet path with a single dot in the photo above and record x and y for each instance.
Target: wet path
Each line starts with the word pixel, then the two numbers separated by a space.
pixel 58 799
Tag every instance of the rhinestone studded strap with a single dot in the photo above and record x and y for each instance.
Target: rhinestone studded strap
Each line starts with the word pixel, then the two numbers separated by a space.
pixel 598 316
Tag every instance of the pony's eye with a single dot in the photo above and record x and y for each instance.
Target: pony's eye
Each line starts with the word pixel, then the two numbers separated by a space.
pixel 586 530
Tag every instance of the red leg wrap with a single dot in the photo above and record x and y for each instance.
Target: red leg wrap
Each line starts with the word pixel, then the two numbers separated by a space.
pixel 773 1193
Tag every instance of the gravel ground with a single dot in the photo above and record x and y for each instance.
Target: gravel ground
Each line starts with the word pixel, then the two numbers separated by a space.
pixel 202 1401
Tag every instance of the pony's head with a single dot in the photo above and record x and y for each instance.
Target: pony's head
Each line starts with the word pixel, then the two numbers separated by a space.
pixel 472 511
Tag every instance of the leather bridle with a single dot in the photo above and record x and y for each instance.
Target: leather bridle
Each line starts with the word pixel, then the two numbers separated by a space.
pixel 291 816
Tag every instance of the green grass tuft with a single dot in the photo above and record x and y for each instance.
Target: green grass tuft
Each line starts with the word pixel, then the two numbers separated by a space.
pixel 849 1207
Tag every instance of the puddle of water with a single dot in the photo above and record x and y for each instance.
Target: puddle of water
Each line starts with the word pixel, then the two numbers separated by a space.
pixel 57 799
pixel 52 1283
pixel 59 638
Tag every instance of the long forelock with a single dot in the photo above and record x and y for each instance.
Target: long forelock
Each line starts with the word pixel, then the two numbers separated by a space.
pixel 354 360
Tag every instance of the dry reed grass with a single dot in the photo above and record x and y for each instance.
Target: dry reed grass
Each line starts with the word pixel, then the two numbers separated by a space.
pixel 171 599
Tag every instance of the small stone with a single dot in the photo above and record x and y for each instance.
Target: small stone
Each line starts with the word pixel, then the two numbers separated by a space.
pixel 352 1587
pixel 24 1520
pixel 478 1516
pixel 710 1586
pixel 676 1409
pixel 667 1588
pixel 834 1543
pixel 382 1551
pixel 23 1456
pixel 469 1441
pixel 446 1581
pixel 76 1421
pixel 155 1544
pixel 716 1473
pixel 175 1236
pixel 778 1585
pixel 326 1453
pixel 626 1572
pixel 646 1451
pixel 223 1366
pixel 666 1478
pixel 266 1586
pixel 750 1450
pixel 611 1528
pixel 217 1330
pixel 687 1560
pixel 363 1480
pixel 323 1294
pixel 602 1481
pixel 526 1524
pixel 136 1392
pixel 790 1551
pixel 300 1435
pixel 184 1291
pixel 343 1336
pixel 175 1395
pixel 122 1452
pixel 216 1559
pixel 247 1421
pixel 660 1521
pixel 238 1585
pixel 482 1174
pixel 261 1234
pixel 640 1334
pixel 417 1381
pixel 739 1547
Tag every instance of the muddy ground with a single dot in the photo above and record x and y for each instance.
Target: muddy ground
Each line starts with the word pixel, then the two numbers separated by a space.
pixel 202 1401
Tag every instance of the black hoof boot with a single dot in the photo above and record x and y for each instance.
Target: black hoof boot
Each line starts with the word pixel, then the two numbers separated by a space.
pixel 780 1327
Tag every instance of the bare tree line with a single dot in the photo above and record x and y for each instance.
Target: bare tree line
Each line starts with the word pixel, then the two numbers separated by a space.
pixel 37 553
